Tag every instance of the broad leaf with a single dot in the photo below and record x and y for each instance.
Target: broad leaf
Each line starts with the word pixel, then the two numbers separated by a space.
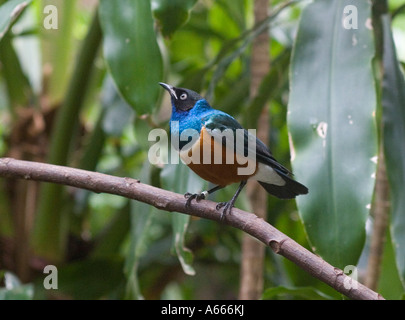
pixel 9 12
pixel 118 113
pixel 393 101
pixel 132 52
pixel 331 119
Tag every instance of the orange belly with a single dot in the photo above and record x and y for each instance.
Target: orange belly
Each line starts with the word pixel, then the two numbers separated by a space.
pixel 213 162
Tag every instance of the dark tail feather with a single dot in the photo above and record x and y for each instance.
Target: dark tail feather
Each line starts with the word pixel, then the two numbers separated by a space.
pixel 290 190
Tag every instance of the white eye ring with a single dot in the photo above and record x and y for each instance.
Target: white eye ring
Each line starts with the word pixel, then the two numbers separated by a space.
pixel 183 96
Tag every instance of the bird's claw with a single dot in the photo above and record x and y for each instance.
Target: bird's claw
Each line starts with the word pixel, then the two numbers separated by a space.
pixel 191 196
pixel 227 208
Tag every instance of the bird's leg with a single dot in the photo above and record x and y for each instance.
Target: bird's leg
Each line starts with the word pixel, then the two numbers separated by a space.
pixel 200 196
pixel 229 205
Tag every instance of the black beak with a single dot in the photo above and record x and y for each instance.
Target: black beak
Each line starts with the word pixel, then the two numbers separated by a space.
pixel 170 89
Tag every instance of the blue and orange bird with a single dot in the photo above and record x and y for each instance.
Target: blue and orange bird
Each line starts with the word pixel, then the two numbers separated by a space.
pixel 194 118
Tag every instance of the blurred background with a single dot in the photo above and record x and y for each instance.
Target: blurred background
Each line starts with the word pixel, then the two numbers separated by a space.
pixel 79 87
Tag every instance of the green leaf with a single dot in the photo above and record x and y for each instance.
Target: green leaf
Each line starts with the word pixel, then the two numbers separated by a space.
pixel 132 52
pixel 9 12
pixel 389 284
pixel 393 102
pixel 331 119
pixel 18 88
pixel 109 241
pixel 141 218
pixel 27 46
pixel 118 113
pixel 171 15
pixel 179 178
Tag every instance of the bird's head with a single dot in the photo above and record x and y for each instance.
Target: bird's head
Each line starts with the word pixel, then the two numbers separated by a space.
pixel 182 99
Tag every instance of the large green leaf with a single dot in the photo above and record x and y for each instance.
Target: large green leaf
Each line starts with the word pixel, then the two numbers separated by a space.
pixel 331 119
pixel 9 12
pixel 172 14
pixel 118 113
pixel 393 101
pixel 132 52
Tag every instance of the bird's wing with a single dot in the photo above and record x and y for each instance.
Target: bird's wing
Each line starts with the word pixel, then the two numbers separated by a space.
pixel 220 124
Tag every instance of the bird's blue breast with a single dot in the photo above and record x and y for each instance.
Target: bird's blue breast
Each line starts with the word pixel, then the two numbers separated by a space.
pixel 191 119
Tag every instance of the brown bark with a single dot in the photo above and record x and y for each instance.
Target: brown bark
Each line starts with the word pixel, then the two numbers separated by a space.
pixel 252 264
pixel 380 209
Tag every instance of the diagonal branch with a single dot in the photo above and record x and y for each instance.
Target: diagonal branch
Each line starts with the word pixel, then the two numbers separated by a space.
pixel 169 201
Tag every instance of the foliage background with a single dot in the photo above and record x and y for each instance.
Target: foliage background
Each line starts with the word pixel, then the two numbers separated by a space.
pixel 86 95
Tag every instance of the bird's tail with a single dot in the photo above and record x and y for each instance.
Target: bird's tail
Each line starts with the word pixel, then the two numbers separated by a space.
pixel 290 190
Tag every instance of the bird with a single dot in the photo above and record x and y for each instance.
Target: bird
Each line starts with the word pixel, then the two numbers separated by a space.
pixel 197 132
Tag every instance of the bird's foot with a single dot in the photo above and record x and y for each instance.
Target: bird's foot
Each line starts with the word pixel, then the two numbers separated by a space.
pixel 197 196
pixel 227 208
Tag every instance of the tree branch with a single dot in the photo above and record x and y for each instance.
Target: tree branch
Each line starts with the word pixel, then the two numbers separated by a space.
pixel 169 201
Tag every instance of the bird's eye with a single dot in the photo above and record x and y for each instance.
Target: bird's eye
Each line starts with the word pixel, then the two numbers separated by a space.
pixel 183 96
